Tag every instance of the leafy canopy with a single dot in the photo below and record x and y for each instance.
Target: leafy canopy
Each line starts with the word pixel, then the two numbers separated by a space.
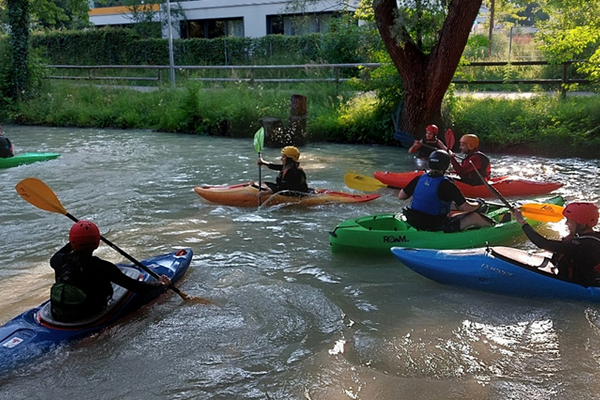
pixel 572 31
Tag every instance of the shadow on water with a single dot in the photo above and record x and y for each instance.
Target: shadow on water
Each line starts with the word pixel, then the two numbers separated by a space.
pixel 291 319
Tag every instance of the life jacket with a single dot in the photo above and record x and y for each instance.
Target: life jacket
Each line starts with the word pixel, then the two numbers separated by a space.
pixel 566 263
pixel 425 196
pixel 485 170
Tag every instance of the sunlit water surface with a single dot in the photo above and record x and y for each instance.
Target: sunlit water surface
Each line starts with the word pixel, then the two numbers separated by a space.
pixel 290 320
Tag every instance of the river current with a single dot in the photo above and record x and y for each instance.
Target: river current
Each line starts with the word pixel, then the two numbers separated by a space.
pixel 291 320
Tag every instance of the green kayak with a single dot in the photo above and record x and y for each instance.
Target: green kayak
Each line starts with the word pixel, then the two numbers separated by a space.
pixel 377 234
pixel 26 158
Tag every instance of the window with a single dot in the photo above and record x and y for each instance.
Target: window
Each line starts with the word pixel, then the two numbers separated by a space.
pixel 300 24
pixel 212 28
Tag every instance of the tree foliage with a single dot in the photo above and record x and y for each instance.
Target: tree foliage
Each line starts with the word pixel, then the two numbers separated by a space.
pixel 572 31
pixel 52 14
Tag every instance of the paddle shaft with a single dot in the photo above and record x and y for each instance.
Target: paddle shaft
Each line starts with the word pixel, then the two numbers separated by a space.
pixel 259 180
pixel 493 189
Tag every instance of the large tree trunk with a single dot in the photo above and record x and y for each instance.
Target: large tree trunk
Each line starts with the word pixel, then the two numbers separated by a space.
pixel 425 77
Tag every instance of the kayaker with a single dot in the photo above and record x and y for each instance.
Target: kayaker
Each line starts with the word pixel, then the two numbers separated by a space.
pixel 426 146
pixel 577 255
pixel 291 176
pixel 433 195
pixel 474 159
pixel 6 148
pixel 82 285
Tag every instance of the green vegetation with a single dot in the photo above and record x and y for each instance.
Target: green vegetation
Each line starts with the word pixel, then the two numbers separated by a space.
pixel 543 125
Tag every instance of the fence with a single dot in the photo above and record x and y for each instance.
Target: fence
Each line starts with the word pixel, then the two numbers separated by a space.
pixel 250 73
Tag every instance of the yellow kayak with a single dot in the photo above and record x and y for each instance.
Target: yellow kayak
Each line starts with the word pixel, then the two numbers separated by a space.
pixel 247 195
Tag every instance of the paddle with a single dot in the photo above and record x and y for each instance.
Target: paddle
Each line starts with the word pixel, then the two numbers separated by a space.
pixel 259 144
pixel 543 212
pixel 364 183
pixel 450 139
pixel 40 195
pixel 405 139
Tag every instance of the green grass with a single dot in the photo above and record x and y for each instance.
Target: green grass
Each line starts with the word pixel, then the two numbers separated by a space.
pixel 543 125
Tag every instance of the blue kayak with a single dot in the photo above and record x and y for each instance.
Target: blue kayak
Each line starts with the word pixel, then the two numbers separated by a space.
pixel 35 332
pixel 502 270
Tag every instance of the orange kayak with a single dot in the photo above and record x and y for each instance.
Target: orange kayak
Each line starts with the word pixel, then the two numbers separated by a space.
pixel 247 195
pixel 509 186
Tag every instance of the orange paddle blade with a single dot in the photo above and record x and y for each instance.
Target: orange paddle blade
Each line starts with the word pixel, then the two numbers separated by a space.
pixel 543 212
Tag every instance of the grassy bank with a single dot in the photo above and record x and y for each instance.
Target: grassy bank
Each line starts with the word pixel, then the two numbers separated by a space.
pixel 544 125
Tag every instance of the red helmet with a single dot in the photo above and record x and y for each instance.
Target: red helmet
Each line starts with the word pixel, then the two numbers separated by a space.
pixel 433 129
pixel 582 213
pixel 84 236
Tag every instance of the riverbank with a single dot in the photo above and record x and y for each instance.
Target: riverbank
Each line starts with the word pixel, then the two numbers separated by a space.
pixel 544 125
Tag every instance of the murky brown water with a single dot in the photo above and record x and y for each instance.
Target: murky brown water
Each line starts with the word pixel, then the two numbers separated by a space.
pixel 293 321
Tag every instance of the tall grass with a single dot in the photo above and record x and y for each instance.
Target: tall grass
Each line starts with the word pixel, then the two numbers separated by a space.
pixel 544 124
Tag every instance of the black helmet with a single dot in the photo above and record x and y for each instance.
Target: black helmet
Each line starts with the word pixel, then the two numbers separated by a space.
pixel 439 160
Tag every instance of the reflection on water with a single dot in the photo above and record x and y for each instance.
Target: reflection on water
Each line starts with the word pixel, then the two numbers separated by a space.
pixel 291 320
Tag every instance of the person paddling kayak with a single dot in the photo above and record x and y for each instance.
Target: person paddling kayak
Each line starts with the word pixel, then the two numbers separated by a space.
pixel 474 160
pixel 82 285
pixel 433 195
pixel 577 255
pixel 291 176
pixel 426 146
pixel 6 148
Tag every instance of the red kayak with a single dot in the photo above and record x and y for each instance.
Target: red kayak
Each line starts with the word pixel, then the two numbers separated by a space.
pixel 509 186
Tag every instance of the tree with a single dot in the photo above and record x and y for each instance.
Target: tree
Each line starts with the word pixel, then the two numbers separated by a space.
pixel 507 11
pixel 425 39
pixel 572 31
pixel 52 14
pixel 18 16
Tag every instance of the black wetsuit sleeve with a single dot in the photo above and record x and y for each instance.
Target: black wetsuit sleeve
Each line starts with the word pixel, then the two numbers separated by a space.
pixel 57 260
pixel 116 276
pixel 276 167
pixel 448 191
pixel 409 189
pixel 554 246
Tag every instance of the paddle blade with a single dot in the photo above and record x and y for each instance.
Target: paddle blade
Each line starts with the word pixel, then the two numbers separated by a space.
pixel 363 183
pixel 40 195
pixel 450 139
pixel 544 212
pixel 405 139
pixel 259 140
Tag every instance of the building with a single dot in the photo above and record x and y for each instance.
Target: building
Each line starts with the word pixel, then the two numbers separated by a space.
pixel 242 18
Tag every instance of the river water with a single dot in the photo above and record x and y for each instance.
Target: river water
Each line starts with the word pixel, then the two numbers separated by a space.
pixel 290 319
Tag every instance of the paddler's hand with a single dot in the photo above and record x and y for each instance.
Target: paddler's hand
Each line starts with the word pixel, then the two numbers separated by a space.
pixel 483 206
pixel 519 216
pixel 164 280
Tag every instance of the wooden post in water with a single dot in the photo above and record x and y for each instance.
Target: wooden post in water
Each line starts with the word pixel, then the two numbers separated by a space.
pixel 298 119
pixel 276 135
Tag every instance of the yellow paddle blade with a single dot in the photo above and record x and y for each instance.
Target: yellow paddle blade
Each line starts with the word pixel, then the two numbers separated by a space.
pixel 40 195
pixel 543 212
pixel 363 183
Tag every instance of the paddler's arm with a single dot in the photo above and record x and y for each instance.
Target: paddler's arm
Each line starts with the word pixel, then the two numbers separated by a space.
pixel 276 167
pixel 554 246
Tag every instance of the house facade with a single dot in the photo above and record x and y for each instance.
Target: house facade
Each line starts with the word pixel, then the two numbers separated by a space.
pixel 242 18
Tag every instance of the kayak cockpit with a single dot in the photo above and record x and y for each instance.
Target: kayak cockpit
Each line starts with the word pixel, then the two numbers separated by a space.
pixel 44 315
pixel 524 259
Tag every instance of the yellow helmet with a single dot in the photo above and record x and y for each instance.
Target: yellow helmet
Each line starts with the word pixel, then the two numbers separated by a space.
pixel 291 152
pixel 472 141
